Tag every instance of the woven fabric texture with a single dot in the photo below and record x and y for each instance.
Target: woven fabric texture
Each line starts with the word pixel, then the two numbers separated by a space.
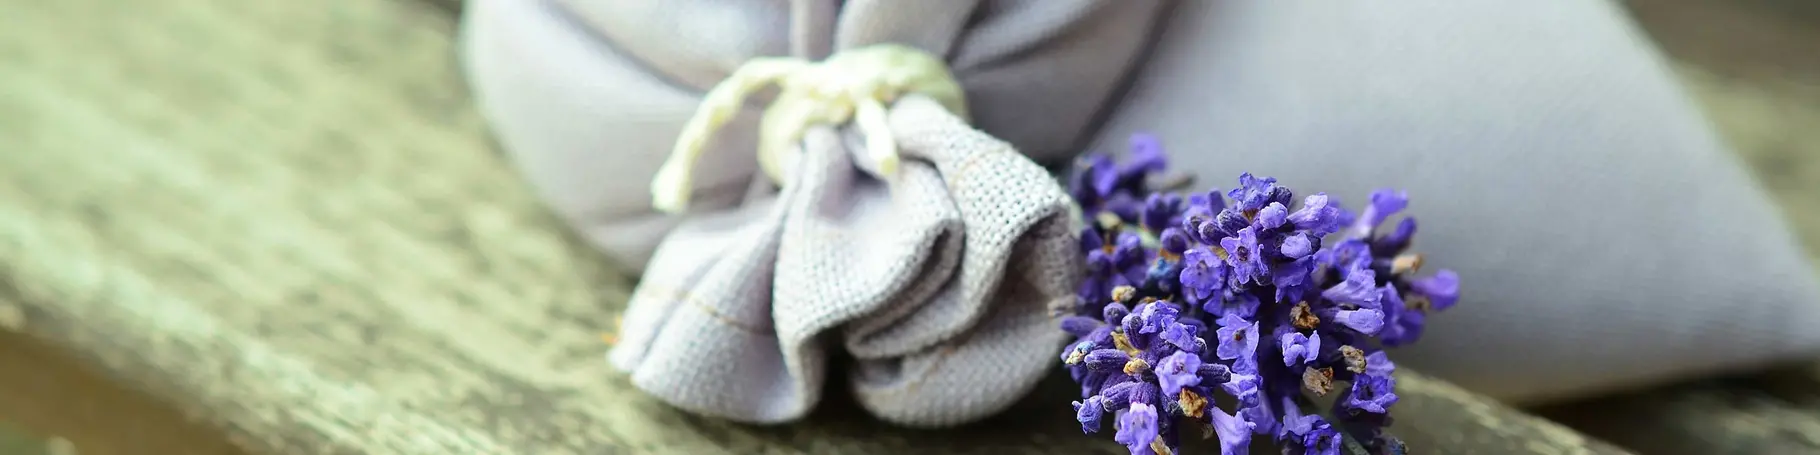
pixel 937 283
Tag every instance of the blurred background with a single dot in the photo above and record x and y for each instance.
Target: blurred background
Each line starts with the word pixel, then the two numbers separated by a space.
pixel 1753 64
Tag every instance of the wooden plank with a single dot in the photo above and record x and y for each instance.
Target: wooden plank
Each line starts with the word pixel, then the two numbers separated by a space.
pixel 285 217
pixel 53 400
pixel 1707 418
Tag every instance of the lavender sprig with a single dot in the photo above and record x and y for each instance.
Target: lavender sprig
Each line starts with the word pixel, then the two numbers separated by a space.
pixel 1249 294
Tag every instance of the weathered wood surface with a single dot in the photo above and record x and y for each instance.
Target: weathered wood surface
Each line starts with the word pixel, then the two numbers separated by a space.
pixel 1720 417
pixel 52 399
pixel 285 216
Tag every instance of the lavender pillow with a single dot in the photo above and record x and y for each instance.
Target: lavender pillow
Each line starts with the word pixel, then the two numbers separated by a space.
pixel 1607 238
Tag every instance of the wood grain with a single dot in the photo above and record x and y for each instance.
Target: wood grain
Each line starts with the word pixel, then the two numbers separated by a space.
pixel 285 217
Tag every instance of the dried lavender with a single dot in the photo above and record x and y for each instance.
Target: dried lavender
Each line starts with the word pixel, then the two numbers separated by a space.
pixel 1278 306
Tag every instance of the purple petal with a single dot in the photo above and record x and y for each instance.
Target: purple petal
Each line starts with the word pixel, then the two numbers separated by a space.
pixel 1372 394
pixel 1183 336
pixel 1146 156
pixel 1296 246
pixel 1137 428
pixel 1088 413
pixel 1397 240
pixel 1384 203
pixel 1366 321
pixel 1253 192
pixel 1103 173
pixel 1234 433
pixel 1202 270
pixel 1442 289
pixel 1359 288
pixel 1159 210
pixel 1272 216
pixel 1297 347
pixel 1178 370
pixel 1379 364
pixel 1174 241
pixel 1319 215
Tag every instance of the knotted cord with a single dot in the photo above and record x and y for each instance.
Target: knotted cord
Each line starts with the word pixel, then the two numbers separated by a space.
pixel 853 85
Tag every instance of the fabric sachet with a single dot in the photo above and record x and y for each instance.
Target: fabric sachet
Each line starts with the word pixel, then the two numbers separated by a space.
pixel 936 283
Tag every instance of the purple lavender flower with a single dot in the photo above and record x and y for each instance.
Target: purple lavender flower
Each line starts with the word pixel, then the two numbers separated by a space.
pixel 1242 381
pixel 1138 428
pixel 1298 246
pixel 1128 256
pixel 1402 325
pixel 1371 393
pixel 1299 348
pixel 1272 216
pixel 1088 413
pixel 1238 337
pixel 1396 241
pixel 1263 416
pixel 1243 304
pixel 1378 364
pixel 1179 370
pixel 1310 432
pixel 1292 278
pixel 1198 218
pixel 1365 320
pixel 1146 158
pixel 1441 290
pixel 1253 192
pixel 1318 215
pixel 1234 433
pixel 1384 203
pixel 1322 440
pixel 1345 256
pixel 1243 293
pixel 1184 336
pixel 1244 256
pixel 1161 210
pixel 1084 185
pixel 1295 423
pixel 1203 274
pixel 1359 289
pixel 1157 316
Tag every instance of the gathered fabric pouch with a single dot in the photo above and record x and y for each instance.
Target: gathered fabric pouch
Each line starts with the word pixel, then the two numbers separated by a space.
pixel 936 281
pixel 912 231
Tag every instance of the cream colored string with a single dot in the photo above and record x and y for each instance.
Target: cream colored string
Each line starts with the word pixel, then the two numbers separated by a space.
pixel 852 85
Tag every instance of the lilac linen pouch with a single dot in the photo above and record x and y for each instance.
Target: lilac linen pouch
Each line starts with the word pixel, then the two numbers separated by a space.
pixel 938 280
pixel 1610 240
